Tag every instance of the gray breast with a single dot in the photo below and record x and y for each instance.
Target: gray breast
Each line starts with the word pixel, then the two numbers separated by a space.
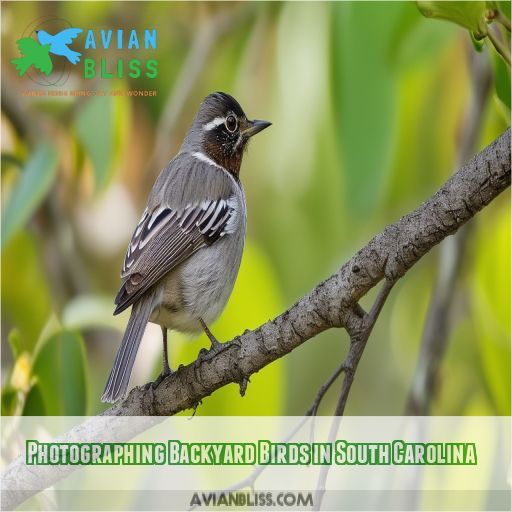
pixel 207 278
pixel 200 287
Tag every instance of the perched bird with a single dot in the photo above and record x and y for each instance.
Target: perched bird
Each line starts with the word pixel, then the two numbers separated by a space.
pixel 183 258
pixel 59 43
pixel 33 54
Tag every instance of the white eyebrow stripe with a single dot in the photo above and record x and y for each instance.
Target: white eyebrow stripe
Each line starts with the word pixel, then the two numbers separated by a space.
pixel 213 124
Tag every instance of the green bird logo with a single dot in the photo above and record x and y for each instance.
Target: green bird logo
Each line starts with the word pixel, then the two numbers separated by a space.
pixel 33 54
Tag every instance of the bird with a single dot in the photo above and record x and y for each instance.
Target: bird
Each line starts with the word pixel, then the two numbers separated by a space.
pixel 33 54
pixel 59 43
pixel 183 258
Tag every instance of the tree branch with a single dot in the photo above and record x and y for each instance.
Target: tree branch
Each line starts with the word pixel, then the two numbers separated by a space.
pixel 333 303
pixel 437 324
pixel 390 254
pixel 360 329
pixel 503 20
pixel 501 47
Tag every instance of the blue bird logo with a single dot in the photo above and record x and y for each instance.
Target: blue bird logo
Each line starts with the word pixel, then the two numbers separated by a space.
pixel 59 43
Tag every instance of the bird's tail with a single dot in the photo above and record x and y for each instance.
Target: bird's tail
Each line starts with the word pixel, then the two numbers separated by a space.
pixel 73 57
pixel 22 64
pixel 123 364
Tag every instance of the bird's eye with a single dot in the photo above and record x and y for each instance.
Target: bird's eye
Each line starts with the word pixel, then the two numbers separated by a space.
pixel 231 123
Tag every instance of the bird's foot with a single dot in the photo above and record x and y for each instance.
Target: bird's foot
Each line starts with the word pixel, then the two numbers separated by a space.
pixel 165 373
pixel 215 347
pixel 203 355
pixel 206 354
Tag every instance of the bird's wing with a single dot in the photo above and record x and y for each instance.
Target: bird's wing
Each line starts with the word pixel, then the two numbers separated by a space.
pixel 28 46
pixel 66 36
pixel 42 60
pixel 164 238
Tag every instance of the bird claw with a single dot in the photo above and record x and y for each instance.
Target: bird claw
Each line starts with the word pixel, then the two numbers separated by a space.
pixel 161 378
pixel 215 346
pixel 202 356
pixel 206 354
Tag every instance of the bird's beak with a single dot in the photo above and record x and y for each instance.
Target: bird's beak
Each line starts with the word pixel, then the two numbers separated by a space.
pixel 255 127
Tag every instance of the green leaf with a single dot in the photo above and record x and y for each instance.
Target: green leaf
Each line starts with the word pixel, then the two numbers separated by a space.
pixel 504 7
pixel 34 403
pixel 364 99
pixel 91 311
pixel 470 15
pixel 16 343
pixel 94 125
pixel 478 44
pixel 23 276
pixel 59 367
pixel 51 327
pixel 9 400
pixel 501 79
pixel 34 183
pixel 407 23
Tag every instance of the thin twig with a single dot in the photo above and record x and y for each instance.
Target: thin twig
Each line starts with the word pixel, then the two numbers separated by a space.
pixel 358 339
pixel 250 480
pixel 313 410
pixel 500 46
pixel 501 18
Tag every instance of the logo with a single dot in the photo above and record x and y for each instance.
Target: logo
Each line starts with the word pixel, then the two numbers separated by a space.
pixel 45 51
pixel 50 46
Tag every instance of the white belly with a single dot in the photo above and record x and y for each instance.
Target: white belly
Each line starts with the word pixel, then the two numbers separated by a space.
pixel 200 287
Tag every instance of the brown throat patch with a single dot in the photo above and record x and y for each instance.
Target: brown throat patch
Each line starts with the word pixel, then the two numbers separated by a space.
pixel 230 161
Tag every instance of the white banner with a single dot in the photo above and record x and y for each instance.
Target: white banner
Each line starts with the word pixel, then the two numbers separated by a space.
pixel 139 463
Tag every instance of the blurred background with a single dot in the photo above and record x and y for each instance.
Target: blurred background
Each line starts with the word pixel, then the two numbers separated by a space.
pixel 373 107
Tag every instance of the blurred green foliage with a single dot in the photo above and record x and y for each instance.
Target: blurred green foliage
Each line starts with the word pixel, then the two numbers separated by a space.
pixel 367 102
pixel 470 15
pixel 373 117
pixel 35 182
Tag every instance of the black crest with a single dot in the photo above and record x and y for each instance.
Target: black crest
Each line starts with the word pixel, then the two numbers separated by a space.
pixel 225 103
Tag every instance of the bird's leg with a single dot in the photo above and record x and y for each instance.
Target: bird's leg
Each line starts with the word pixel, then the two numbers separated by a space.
pixel 165 362
pixel 166 370
pixel 215 343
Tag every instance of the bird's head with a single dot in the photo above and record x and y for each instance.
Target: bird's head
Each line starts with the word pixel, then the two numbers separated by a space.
pixel 222 131
pixel 43 37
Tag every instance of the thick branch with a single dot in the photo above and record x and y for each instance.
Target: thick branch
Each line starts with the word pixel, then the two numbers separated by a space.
pixel 331 304
pixel 390 254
